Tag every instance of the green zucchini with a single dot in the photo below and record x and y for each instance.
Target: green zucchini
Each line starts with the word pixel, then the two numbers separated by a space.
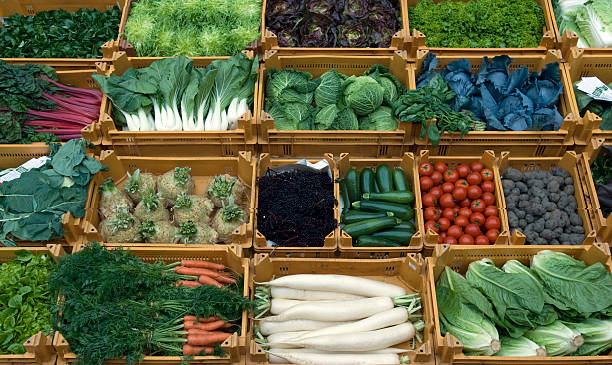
pixel 400 197
pixel 406 225
pixel 352 185
pixel 396 235
pixel 399 181
pixel 355 215
pixel 401 211
pixel 370 226
pixel 376 188
pixel 345 197
pixel 368 180
pixel 384 178
pixel 370 241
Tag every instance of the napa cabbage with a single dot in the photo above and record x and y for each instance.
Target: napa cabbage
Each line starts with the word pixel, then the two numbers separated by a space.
pixel 521 346
pixel 591 20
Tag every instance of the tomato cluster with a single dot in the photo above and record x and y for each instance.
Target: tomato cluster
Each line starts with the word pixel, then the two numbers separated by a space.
pixel 459 204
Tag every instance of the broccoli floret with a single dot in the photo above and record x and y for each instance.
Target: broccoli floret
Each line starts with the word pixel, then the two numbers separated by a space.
pixel 520 213
pixel 568 181
pixel 575 219
pixel 521 186
pixel 507 184
pixel 569 189
pixel 513 174
pixel 513 220
pixel 578 229
pixel 547 234
pixel 557 171
pixel 535 183
pixel 553 186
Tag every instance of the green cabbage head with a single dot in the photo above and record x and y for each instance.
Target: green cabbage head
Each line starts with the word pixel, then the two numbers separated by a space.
pixel 363 94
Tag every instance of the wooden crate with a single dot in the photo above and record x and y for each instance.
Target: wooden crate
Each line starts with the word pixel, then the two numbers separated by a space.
pixel 449 349
pixel 407 272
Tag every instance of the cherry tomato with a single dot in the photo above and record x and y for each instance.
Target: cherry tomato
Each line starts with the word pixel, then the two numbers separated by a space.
pixel 460 194
pixel 488 198
pixel 448 187
pixel 492 223
pixel 492 235
pixel 487 174
pixel 466 239
pixel 462 183
pixel 477 218
pixel 436 192
pixel 429 200
pixel 465 211
pixel 474 178
pixel 425 169
pixel 463 170
pixel 426 183
pixel 465 203
pixel 490 211
pixel 440 239
pixel 449 213
pixel 488 186
pixel 431 214
pixel 472 229
pixel 444 224
pixel 454 231
pixel 446 200
pixel 474 192
pixel 440 167
pixel 476 166
pixel 450 240
pixel 436 176
pixel 443 235
pixel 481 240
pixel 456 209
pixel 461 220
pixel 431 225
pixel 451 176
pixel 477 206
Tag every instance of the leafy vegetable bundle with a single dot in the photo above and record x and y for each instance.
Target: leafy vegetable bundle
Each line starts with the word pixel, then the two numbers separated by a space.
pixel 336 23
pixel 113 305
pixel 602 108
pixel 558 306
pixel 333 101
pixel 168 28
pixel 591 20
pixel 172 95
pixel 34 107
pixel 601 169
pixel 24 301
pixel 31 206
pixel 479 23
pixel 58 34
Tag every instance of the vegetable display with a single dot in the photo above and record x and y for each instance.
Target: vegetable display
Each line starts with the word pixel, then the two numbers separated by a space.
pixel 335 319
pixel 558 306
pixel 541 204
pixel 25 300
pixel 590 20
pixel 459 204
pixel 184 308
pixel 601 170
pixel 58 33
pixel 479 23
pixel 378 207
pixel 173 95
pixel 33 205
pixel 35 107
pixel 336 23
pixel 333 101
pixel 168 28
pixel 602 108
pixel 165 208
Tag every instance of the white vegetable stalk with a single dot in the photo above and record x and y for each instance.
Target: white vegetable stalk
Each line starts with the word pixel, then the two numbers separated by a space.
pixel 298 294
pixel 267 328
pixel 333 312
pixel 280 305
pixel 332 359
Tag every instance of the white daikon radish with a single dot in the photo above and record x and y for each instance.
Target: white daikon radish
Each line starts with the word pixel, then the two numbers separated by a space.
pixel 335 311
pixel 278 306
pixel 298 294
pixel 335 359
pixel 338 283
pixel 388 350
pixel 267 327
pixel 285 336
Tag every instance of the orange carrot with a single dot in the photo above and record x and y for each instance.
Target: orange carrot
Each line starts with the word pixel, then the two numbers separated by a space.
pixel 209 281
pixel 197 332
pixel 189 350
pixel 203 340
pixel 196 271
pixel 202 264
pixel 202 319
pixel 189 283
pixel 225 280
pixel 210 326
pixel 227 325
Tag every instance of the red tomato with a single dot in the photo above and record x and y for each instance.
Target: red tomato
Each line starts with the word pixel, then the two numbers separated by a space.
pixel 449 213
pixel 474 192
pixel 476 166
pixel 465 203
pixel 487 175
pixel 492 223
pixel 425 169
pixel 462 183
pixel 448 187
pixel 488 186
pixel 431 225
pixel 492 235
pixel 444 224
pixel 436 176
pixel 465 211
pixel 488 198
pixel 472 229
pixel 461 220
pixel 426 183
pixel 440 167
pixel 477 206
pixel 477 218
pixel 446 200
pixel 440 240
pixel 474 178
pixel 429 200
pixel 481 240
pixel 490 211
pixel 463 170
pixel 460 193
pixel 436 192
pixel 443 235
pixel 466 239
pixel 450 240
pixel 454 231
pixel 456 209
pixel 431 214
pixel 451 176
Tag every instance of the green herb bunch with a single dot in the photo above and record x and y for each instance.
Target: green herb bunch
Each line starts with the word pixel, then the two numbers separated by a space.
pixel 181 175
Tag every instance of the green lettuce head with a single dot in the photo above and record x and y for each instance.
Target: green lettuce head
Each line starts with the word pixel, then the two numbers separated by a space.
pixel 363 94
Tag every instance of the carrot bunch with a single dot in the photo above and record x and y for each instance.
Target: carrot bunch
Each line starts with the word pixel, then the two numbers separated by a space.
pixel 203 334
pixel 207 273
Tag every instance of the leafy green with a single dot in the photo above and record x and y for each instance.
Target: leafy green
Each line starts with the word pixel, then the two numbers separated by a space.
pixel 593 330
pixel 514 266
pixel 521 346
pixel 590 20
pixel 602 108
pixel 330 90
pixel 391 85
pixel 557 338
pixel 363 94
pixel 467 293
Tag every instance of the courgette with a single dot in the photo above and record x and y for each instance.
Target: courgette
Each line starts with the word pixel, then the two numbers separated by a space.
pixel 401 211
pixel 355 215
pixel 406 225
pixel 371 241
pixel 396 235
pixel 370 226
pixel 352 185
pixel 384 178
pixel 368 181
pixel 345 197
pixel 399 181
pixel 400 197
